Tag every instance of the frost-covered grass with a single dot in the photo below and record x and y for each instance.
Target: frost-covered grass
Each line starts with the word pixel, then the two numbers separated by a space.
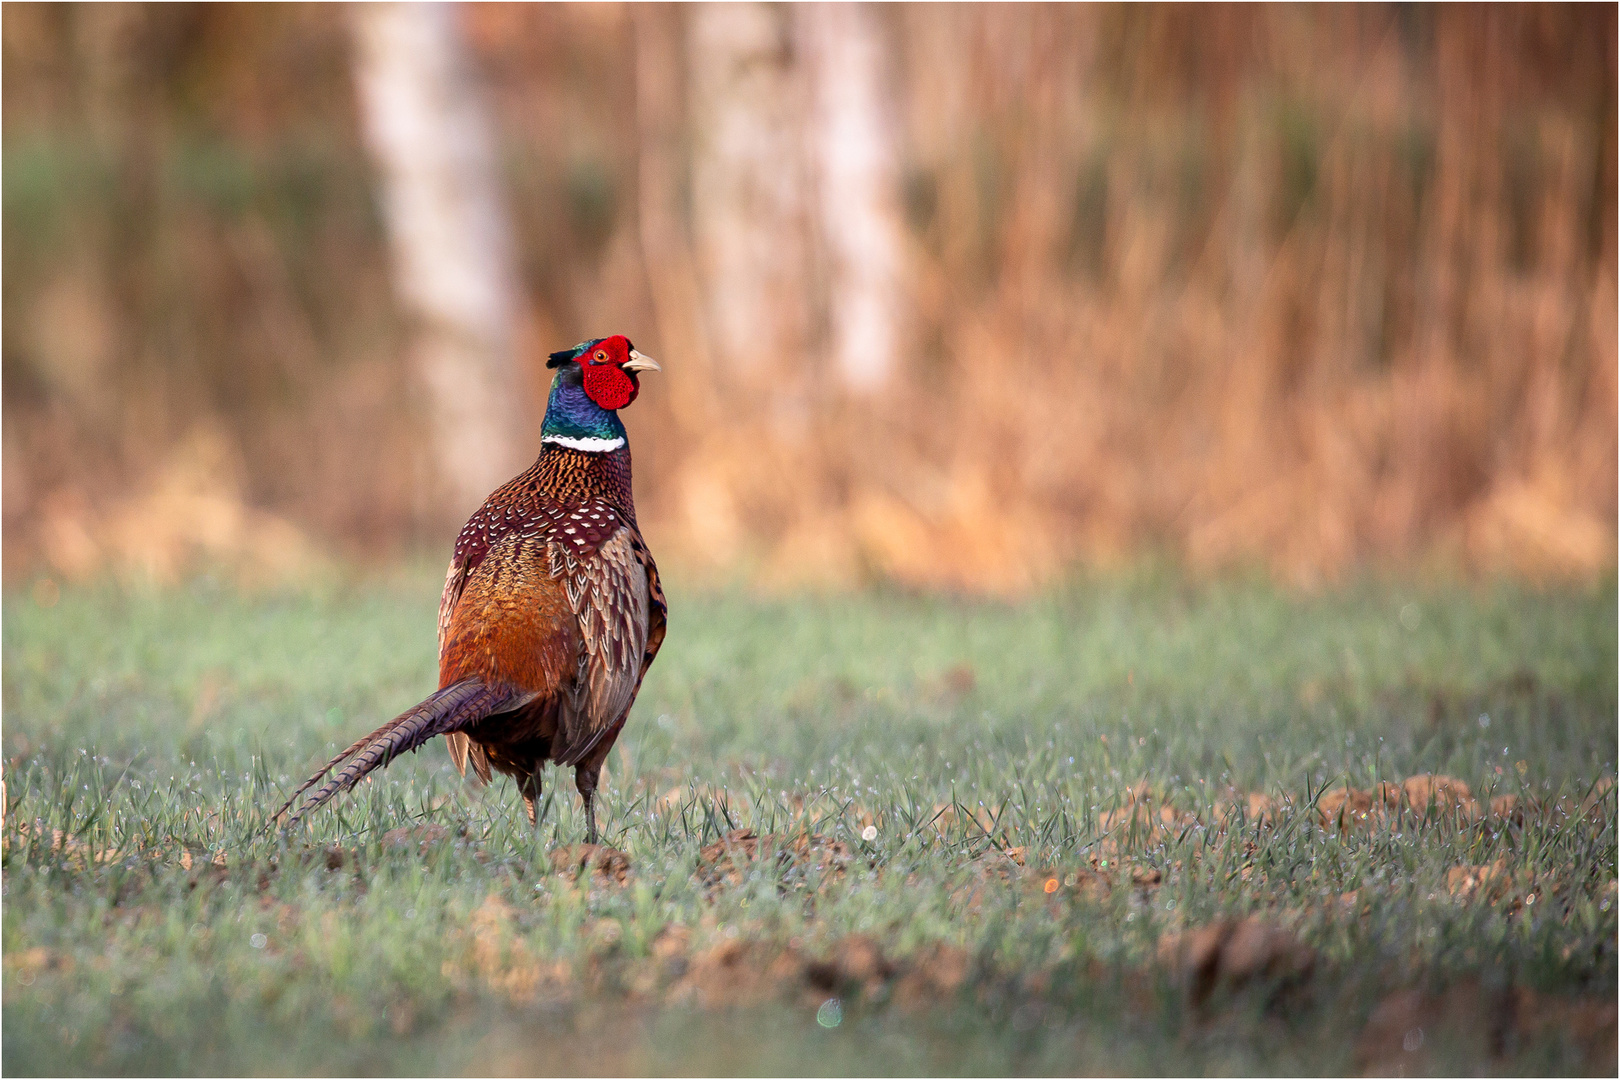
pixel 151 924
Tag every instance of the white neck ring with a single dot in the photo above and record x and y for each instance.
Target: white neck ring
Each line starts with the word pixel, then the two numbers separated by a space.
pixel 589 446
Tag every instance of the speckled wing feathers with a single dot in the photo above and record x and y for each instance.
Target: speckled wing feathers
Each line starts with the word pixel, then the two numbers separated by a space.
pixel 608 590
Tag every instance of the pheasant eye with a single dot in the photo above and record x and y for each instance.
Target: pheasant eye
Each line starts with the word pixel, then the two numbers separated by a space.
pixel 601 356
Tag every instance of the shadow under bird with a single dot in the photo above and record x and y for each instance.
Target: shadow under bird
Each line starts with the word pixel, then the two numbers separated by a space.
pixel 552 611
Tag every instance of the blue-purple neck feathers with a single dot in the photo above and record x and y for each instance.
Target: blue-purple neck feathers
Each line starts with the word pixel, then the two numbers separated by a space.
pixel 575 421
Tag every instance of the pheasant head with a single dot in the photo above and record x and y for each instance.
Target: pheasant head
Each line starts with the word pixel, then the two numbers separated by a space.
pixel 596 379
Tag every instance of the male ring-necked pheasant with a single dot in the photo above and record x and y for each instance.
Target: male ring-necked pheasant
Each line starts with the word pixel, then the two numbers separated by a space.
pixel 551 611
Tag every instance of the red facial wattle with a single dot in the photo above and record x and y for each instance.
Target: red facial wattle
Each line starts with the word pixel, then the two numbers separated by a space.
pixel 607 384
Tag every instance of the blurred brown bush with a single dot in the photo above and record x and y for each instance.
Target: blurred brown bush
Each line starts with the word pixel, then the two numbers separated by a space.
pixel 1317 287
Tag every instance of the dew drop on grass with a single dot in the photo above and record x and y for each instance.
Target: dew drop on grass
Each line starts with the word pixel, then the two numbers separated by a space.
pixel 831 1013
pixel 258 941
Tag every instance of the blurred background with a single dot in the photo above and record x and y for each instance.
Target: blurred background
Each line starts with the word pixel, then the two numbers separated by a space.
pixel 952 297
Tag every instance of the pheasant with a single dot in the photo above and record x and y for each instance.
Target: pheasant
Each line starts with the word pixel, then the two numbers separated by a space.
pixel 552 610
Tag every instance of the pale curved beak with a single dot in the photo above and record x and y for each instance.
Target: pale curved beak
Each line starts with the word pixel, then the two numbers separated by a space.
pixel 638 362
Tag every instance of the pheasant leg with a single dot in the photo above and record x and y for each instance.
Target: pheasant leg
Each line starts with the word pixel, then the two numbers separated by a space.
pixel 585 779
pixel 529 788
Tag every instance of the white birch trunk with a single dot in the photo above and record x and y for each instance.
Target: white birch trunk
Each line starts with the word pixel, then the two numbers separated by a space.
pixel 856 170
pixel 749 216
pixel 449 236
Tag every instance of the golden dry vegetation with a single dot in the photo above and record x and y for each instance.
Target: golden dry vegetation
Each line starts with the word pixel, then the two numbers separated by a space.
pixel 1313 287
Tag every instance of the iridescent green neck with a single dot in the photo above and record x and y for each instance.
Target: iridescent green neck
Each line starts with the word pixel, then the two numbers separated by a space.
pixel 575 421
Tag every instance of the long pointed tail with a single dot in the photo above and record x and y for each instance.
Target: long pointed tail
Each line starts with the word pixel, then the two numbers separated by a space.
pixel 450 709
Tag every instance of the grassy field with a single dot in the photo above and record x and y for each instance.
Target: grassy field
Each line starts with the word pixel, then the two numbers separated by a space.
pixel 877 833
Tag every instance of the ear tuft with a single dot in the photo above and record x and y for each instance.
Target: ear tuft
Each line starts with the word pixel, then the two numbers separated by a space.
pixel 558 359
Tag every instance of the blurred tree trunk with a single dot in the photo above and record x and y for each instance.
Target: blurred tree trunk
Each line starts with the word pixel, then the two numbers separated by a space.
pixel 856 169
pixel 449 237
pixel 748 191
pixel 796 193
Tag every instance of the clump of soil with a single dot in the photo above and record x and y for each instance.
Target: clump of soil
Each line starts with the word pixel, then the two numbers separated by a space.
pixel 1490 881
pixel 604 865
pixel 1230 954
pixel 1427 797
pixel 798 858
pixel 1141 820
pixel 1346 807
pixel 1430 798
pixel 856 966
pixel 1252 806
pixel 1509 808
pixel 735 972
